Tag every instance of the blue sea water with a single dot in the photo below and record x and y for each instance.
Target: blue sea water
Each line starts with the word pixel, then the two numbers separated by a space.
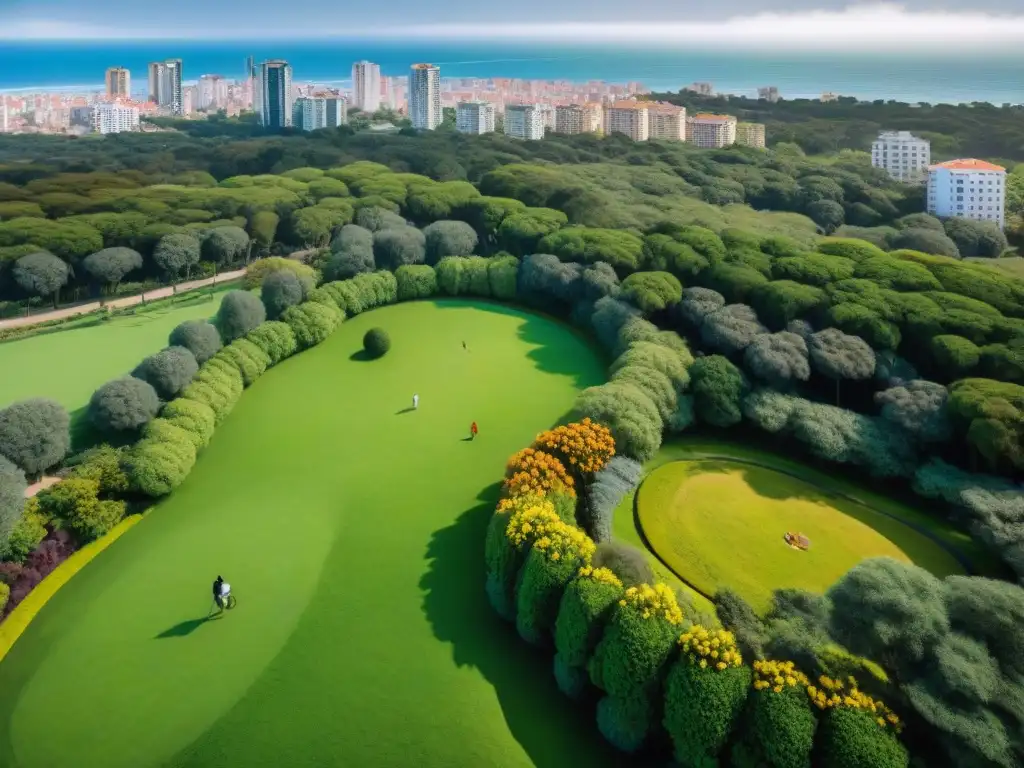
pixel 932 77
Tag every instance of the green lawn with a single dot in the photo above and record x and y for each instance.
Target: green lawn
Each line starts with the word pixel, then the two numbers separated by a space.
pixel 68 365
pixel 720 523
pixel 352 533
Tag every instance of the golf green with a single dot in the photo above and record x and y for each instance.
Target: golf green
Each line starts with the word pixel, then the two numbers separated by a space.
pixel 68 365
pixel 350 528
pixel 721 524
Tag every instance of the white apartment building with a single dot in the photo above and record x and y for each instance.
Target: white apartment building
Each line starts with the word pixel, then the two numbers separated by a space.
pixel 366 86
pixel 425 97
pixel 276 104
pixel 165 85
pixel 106 117
pixel 902 155
pixel 968 189
pixel 524 121
pixel 211 93
pixel 119 83
pixel 712 131
pixel 627 117
pixel 750 135
pixel 315 112
pixel 666 122
pixel 579 118
pixel 474 117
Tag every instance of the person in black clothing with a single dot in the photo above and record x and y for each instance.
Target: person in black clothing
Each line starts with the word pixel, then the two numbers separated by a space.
pixel 218 598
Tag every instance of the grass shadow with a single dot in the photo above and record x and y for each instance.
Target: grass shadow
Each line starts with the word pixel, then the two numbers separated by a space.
pixel 553 731
pixel 185 628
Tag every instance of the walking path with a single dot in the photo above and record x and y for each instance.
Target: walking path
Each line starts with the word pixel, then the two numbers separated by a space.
pixel 124 301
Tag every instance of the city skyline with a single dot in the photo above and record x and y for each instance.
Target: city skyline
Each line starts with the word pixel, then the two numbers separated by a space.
pixel 807 25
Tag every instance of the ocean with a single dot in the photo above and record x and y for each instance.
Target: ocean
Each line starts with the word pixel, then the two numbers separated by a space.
pixel 932 77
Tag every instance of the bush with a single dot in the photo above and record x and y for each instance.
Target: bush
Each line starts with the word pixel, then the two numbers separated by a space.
pixel 351 253
pixel 312 322
pixel 850 738
pixel 503 562
pixel 239 313
pixel 394 247
pixel 168 371
pixel 586 605
pixel 718 387
pixel 195 418
pixel 25 536
pixel 123 405
pixel 258 271
pixel 251 361
pixel 199 337
pixel 34 434
pixel 275 339
pixel 12 498
pixel 628 563
pixel 448 238
pixel 618 478
pixel 631 415
pixel 75 502
pixel 780 359
pixel 503 274
pixel 217 385
pixel 955 356
pixel 541 585
pixel 652 291
pixel 158 465
pixel 376 342
pixel 415 281
pixel 731 329
pixel 280 290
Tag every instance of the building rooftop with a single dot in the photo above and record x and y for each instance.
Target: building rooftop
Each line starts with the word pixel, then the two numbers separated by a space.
pixel 628 105
pixel 423 66
pixel 968 164
pixel 714 118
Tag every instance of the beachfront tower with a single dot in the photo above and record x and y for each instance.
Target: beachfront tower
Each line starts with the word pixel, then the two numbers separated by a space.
pixel 425 97
pixel 366 86
pixel 275 94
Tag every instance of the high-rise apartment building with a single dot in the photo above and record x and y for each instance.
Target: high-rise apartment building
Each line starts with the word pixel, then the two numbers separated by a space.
pixel 366 86
pixel 275 94
pixel 750 135
pixel 665 122
pixel 320 111
pixel 474 117
pixel 711 131
pixel 769 93
pixel 165 85
pixel 524 121
pixel 902 155
pixel 425 97
pixel 968 189
pixel 579 118
pixel 211 93
pixel 702 89
pixel 627 117
pixel 106 117
pixel 119 83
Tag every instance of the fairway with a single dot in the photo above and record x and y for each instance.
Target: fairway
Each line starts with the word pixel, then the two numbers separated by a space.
pixel 721 524
pixel 69 365
pixel 351 530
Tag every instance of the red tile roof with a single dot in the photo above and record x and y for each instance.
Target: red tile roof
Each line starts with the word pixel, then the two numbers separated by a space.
pixel 969 165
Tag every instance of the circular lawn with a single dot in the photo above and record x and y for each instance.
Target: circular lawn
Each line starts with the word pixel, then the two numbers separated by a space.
pixel 349 526
pixel 719 523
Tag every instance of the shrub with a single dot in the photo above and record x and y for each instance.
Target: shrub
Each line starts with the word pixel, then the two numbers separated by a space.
pixel 705 692
pixel 251 361
pixel 654 384
pixel 955 356
pixel 280 290
pixel 731 329
pixel 778 729
pixel 619 477
pixel 25 536
pixel 239 313
pixel 123 405
pixel 631 415
pixel 275 339
pixel 351 253
pixel 12 498
pixel 74 501
pixel 415 281
pixel 34 434
pixel 394 247
pixel 628 563
pixel 718 387
pixel 217 385
pixel 653 291
pixel 376 342
pixel 448 238
pixel 698 303
pixel 168 371
pixel 503 274
pixel 849 738
pixel 199 337
pixel 195 418
pixel 780 359
pixel 585 445
pixel 586 605
pixel 158 465
pixel 312 322
pixel 101 463
pixel 534 472
pixel 258 271
pixel 545 574
pixel 919 407
pixel 651 355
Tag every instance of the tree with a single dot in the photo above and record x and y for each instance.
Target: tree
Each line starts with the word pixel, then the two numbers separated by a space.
pixel 111 265
pixel 718 387
pixel 376 219
pixel 239 313
pixel 731 329
pixel 199 337
pixel 625 561
pixel 976 238
pixel 782 301
pixel 840 356
pixel 351 253
pixel 652 291
pixel 42 274
pixel 955 356
pixel 12 498
pixel 34 434
pixel 280 290
pixel 313 227
pixel 225 245
pixel 448 238
pixel 622 250
pixel 698 303
pixel 628 412
pixel 827 214
pixel 169 371
pixel 123 405
pixel 599 280
pixel 394 247
pixel 779 359
pixel 619 477
pixel 263 228
pixel 376 342
pixel 176 253
pixel 926 241
pixel 919 407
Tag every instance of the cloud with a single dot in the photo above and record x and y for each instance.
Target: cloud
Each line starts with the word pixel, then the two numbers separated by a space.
pixel 860 27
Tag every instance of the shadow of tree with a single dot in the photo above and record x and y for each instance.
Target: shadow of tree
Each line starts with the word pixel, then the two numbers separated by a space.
pixel 361 356
pixel 553 731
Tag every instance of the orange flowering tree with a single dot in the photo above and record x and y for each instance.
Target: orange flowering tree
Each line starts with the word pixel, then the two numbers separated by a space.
pixel 585 446
pixel 536 472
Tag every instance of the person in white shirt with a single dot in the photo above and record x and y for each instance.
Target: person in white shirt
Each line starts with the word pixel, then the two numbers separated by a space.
pixel 415 402
pixel 221 592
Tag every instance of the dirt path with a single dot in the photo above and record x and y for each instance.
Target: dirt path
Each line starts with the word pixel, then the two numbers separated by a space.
pixel 124 301
pixel 44 483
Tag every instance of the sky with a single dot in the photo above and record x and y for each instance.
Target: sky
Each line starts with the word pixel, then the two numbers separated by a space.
pixel 783 24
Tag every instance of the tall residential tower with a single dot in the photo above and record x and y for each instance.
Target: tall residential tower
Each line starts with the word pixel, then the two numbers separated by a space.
pixel 165 84
pixel 275 94
pixel 425 97
pixel 119 83
pixel 968 189
pixel 366 86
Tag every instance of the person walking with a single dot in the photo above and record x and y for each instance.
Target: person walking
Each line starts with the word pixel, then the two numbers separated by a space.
pixel 465 347
pixel 220 592
pixel 415 402
pixel 473 431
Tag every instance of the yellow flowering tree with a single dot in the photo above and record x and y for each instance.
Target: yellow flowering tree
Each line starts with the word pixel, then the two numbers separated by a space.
pixel 585 446
pixel 629 663
pixel 536 472
pixel 504 552
pixel 855 729
pixel 705 692
pixel 778 723
pixel 582 614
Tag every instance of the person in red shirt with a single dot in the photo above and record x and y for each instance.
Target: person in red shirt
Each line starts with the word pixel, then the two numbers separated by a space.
pixel 473 430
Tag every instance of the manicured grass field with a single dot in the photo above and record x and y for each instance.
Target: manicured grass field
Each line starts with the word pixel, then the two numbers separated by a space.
pixel 68 365
pixel 351 530
pixel 720 523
